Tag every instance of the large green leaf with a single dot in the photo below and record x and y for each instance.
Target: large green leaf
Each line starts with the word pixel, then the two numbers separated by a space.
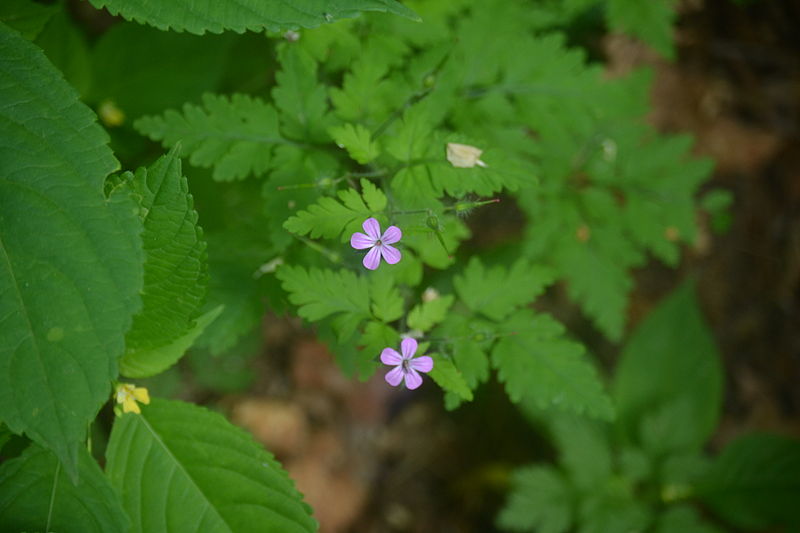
pixel 540 500
pixel 755 482
pixel 36 495
pixel 179 467
pixel 70 260
pixel 242 15
pixel 669 376
pixel 175 268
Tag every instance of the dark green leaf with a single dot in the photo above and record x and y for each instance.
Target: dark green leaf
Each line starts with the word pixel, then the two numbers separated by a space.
pixel 540 501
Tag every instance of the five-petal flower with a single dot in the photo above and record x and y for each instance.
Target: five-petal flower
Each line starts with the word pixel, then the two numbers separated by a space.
pixel 128 394
pixel 379 244
pixel 406 366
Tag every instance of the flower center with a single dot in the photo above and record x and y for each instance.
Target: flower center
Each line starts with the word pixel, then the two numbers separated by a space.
pixel 406 365
pixel 378 243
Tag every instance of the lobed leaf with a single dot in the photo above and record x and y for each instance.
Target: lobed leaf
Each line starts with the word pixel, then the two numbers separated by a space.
pixel 179 467
pixel 69 278
pixel 300 99
pixel 540 500
pixel 427 314
pixel 357 141
pixel 447 376
pixel 235 135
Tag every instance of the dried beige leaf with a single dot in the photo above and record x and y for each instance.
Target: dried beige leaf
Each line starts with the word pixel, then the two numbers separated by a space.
pixel 464 155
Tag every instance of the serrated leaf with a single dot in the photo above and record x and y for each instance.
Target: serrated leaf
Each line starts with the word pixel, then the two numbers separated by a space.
pixel 375 338
pixel 613 509
pixel 447 376
pixel 387 304
pixel 374 197
pixel 159 359
pixel 496 292
pixel 469 342
pixel 244 15
pixel 540 500
pixel 537 362
pixel 357 141
pixel 583 448
pixel 175 268
pixel 299 97
pixel 320 293
pixel 36 493
pixel 427 314
pixel 427 242
pixel 330 218
pixel 651 21
pixel 180 467
pixel 70 260
pixel 755 482
pixel 671 355
pixel 235 135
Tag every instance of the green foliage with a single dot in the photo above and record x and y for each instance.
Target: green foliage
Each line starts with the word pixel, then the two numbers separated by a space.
pixel 69 278
pixel 429 313
pixel 175 270
pixel 330 218
pixel 298 96
pixel 244 15
pixel 651 21
pixel 357 141
pixel 210 466
pixel 36 494
pixel 26 17
pixel 540 501
pixel 538 364
pixel 447 376
pixel 234 135
pixel 669 377
pixel 487 291
pixel 755 482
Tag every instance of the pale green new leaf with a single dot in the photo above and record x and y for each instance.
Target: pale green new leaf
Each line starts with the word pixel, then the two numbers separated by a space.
pixel 300 98
pixel 244 15
pixel 447 376
pixel 70 260
pixel 427 314
pixel 36 494
pixel 540 500
pixel 179 467
pixel 320 293
pixel 357 141
pixel 539 364
pixel 235 135
pixel 175 268
pixel 496 292
pixel 330 218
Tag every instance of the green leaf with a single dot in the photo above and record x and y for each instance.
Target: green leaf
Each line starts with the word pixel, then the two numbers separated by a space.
pixel 671 355
pixel 427 314
pixel 469 344
pixel 447 376
pixel 35 493
pixel 755 482
pixel 682 519
pixel 234 135
pixel 163 70
pixel 387 304
pixel 357 141
pixel 330 218
pixel 375 338
pixel 175 268
pixel 70 260
pixel 613 509
pixel 540 500
pixel 497 292
pixel 299 97
pixel 65 46
pixel 244 15
pixel 536 362
pixel 26 17
pixel 179 467
pixel 159 359
pixel 584 450
pixel 651 21
pixel 320 293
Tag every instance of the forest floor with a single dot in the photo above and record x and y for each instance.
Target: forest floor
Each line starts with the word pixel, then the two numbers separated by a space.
pixel 374 459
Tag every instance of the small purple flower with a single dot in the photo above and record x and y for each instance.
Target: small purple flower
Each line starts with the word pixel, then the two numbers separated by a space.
pixel 407 366
pixel 379 244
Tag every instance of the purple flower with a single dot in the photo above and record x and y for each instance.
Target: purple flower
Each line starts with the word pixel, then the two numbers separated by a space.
pixel 407 366
pixel 379 244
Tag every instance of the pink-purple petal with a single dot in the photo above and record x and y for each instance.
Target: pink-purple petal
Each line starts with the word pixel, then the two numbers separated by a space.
pixel 373 258
pixel 372 228
pixel 394 376
pixel 359 241
pixel 389 356
pixel 390 254
pixel 391 235
pixel 421 364
pixel 413 379
pixel 408 347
